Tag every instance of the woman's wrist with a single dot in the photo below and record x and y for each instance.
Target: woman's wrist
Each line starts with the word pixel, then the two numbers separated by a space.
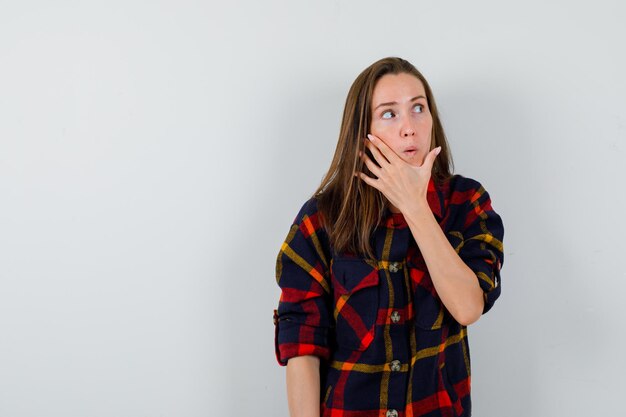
pixel 417 209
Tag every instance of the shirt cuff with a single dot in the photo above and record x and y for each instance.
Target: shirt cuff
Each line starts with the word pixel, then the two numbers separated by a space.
pixel 297 339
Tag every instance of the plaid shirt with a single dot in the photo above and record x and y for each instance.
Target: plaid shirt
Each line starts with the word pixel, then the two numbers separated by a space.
pixel 389 347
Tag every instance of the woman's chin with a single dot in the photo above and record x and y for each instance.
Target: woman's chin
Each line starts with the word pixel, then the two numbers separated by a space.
pixel 413 159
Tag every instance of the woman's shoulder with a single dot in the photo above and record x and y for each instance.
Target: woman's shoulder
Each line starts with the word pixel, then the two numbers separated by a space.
pixel 460 188
pixel 310 218
pixel 462 195
pixel 307 210
pixel 309 225
pixel 458 182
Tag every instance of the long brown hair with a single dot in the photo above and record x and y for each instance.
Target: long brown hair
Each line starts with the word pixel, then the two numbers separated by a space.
pixel 350 208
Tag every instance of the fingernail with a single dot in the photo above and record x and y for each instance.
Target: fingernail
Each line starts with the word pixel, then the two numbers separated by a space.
pixel 370 137
pixel 438 150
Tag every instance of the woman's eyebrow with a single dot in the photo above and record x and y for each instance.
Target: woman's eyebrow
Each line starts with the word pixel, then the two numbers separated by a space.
pixel 391 103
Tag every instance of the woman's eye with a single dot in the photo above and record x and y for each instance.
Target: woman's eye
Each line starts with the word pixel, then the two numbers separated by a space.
pixel 387 115
pixel 418 108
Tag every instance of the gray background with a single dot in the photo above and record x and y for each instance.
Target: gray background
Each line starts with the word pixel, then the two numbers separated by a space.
pixel 154 153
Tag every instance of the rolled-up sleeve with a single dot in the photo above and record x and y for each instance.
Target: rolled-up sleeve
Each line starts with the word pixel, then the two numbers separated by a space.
pixel 482 245
pixel 303 319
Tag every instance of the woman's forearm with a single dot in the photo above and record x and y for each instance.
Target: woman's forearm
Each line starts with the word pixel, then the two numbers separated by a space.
pixel 303 386
pixel 454 281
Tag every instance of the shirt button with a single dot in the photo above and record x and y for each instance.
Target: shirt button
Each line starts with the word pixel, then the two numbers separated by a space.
pixel 395 365
pixel 395 317
pixel 392 413
pixel 394 266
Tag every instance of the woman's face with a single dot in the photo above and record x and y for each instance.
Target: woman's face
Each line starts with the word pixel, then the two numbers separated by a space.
pixel 401 117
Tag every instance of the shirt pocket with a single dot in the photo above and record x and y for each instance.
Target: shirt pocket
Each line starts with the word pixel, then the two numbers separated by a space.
pixel 430 313
pixel 356 299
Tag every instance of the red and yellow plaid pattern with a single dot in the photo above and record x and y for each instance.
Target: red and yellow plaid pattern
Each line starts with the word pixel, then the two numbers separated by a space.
pixel 388 345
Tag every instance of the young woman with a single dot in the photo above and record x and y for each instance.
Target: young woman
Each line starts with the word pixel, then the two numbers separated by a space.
pixel 386 265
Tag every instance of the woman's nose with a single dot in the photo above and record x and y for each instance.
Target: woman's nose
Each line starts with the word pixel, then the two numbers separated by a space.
pixel 407 130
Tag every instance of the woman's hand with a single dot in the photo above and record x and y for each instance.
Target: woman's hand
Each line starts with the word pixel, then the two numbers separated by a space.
pixel 404 185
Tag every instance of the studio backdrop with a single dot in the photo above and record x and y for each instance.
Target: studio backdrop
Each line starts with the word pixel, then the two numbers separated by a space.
pixel 154 154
